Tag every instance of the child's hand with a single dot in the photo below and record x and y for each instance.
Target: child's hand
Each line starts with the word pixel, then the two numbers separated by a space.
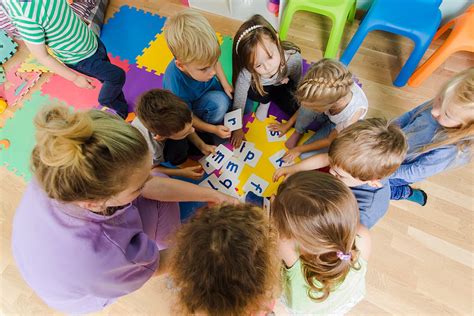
pixel 221 198
pixel 282 128
pixel 222 131
pixel 282 172
pixel 237 138
pixel 285 80
pixel 207 149
pixel 83 82
pixel 228 89
pixel 195 172
pixel 291 155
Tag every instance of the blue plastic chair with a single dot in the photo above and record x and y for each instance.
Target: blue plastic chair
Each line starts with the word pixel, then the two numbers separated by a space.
pixel 415 19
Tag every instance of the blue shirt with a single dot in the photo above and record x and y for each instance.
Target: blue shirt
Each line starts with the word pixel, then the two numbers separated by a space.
pixel 420 127
pixel 373 202
pixel 185 87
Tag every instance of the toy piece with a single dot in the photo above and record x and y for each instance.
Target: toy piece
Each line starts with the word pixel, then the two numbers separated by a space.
pixel 7 47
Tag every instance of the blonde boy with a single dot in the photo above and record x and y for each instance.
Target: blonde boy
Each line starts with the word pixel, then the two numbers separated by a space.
pixel 362 156
pixel 195 74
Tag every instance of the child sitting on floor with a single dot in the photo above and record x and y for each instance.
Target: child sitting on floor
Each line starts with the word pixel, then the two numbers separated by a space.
pixel 53 24
pixel 328 95
pixel 322 245
pixel 264 69
pixel 440 135
pixel 195 74
pixel 166 122
pixel 363 155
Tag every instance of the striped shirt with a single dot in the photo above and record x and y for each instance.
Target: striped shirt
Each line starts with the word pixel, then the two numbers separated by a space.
pixel 53 23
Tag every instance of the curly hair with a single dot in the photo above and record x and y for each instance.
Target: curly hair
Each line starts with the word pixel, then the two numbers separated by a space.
pixel 225 261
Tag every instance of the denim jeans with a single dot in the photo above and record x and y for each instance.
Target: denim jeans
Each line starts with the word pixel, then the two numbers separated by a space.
pixel 212 106
pixel 306 117
pixel 399 189
pixel 112 77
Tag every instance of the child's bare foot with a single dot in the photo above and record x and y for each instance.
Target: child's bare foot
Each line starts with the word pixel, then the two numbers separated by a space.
pixel 293 140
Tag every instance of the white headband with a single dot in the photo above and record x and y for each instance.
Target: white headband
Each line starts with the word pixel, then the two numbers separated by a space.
pixel 250 29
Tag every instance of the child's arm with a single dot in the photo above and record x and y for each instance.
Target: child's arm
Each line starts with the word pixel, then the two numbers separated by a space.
pixel 427 165
pixel 407 117
pixel 314 162
pixel 295 152
pixel 193 172
pixel 200 144
pixel 292 154
pixel 219 130
pixel 284 127
pixel 41 53
pixel 172 190
pixel 223 80
pixel 242 86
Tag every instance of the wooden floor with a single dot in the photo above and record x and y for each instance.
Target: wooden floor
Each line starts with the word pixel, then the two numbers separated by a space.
pixel 422 259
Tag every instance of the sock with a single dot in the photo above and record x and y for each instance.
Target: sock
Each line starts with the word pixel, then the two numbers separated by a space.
pixel 293 140
pixel 418 196
pixel 262 111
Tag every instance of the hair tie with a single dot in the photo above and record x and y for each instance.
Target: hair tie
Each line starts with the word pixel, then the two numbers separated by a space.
pixel 250 29
pixel 344 256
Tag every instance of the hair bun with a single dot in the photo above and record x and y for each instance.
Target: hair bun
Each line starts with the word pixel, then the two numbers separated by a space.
pixel 61 134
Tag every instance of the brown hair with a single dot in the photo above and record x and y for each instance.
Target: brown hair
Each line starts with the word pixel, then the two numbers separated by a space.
pixel 321 215
pixel 370 149
pixel 191 38
pixel 244 55
pixel 326 81
pixel 459 91
pixel 84 156
pixel 225 261
pixel 163 113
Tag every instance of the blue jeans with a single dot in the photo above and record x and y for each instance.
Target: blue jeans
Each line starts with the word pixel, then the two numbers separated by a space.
pixel 212 105
pixel 306 117
pixel 112 77
pixel 325 128
pixel 399 189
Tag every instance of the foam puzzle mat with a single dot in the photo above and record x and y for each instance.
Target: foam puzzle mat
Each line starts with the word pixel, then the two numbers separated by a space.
pixel 135 42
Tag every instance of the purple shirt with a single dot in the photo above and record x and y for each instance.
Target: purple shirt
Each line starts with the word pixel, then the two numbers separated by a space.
pixel 78 261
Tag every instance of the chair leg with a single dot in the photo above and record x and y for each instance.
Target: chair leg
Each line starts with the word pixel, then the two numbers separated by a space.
pixel 286 21
pixel 411 63
pixel 354 44
pixel 431 64
pixel 352 13
pixel 334 38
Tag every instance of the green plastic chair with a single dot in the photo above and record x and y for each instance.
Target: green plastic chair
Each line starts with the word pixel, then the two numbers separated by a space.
pixel 337 10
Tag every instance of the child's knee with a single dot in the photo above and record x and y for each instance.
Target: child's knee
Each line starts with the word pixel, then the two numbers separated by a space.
pixel 118 76
pixel 218 106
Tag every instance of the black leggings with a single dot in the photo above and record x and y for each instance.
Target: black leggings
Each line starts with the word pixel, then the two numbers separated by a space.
pixel 176 152
pixel 282 95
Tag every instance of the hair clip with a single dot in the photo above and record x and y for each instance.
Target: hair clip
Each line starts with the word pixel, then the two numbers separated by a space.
pixel 250 29
pixel 344 256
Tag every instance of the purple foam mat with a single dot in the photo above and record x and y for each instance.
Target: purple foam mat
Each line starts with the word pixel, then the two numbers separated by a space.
pixel 139 81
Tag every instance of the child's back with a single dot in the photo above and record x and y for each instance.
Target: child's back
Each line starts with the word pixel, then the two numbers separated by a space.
pixel 323 247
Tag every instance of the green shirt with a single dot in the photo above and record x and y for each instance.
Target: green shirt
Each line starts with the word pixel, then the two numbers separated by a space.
pixel 53 23
pixel 340 300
